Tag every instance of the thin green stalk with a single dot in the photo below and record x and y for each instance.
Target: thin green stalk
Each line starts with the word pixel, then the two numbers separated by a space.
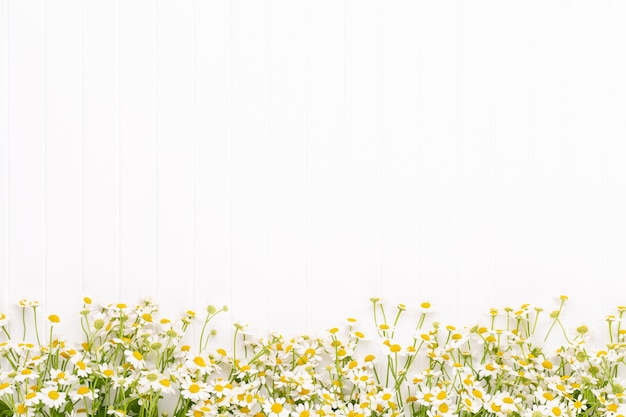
pixel 36 326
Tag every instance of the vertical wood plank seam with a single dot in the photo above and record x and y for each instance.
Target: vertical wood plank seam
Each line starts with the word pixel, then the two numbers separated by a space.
pixel 531 159
pixel 343 164
pixel 306 165
pixel 156 148
pixel 45 159
pixel 606 152
pixel 119 156
pixel 456 152
pixel 494 138
pixel 230 153
pixel 82 148
pixel 8 159
pixel 381 220
pixel 267 158
pixel 418 148
pixel 568 153
pixel 193 158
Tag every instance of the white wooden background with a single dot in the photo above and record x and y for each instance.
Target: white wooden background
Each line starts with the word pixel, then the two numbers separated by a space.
pixel 293 158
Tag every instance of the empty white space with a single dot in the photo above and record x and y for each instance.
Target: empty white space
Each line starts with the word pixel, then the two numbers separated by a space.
pixel 292 159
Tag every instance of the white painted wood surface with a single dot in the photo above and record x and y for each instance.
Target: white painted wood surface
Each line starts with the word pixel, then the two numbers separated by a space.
pixel 293 158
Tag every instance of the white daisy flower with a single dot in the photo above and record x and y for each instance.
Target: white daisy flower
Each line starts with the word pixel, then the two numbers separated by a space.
pixel 32 398
pixel 6 389
pixel 53 398
pixel 195 391
pixel 276 408
pixel 83 392
pixel 135 358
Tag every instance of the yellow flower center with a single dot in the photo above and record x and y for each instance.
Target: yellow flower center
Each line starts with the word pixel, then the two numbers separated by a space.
pixel 194 388
pixel 53 395
pixel 82 390
pixel 277 408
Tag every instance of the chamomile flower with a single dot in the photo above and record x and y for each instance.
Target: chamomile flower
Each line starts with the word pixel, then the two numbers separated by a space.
pixel 21 409
pixel 62 377
pixel 556 409
pixel 82 369
pixel 135 358
pixel 199 363
pixel 275 407
pixel 578 404
pixel 26 374
pixel 53 398
pixel 28 303
pixel 83 393
pixel 106 371
pixel 32 398
pixel 194 390
pixel 425 307
pixel 362 378
pixel 6 389
pixel 302 410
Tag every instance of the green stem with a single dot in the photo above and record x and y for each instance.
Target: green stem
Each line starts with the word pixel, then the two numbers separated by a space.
pixel 24 323
pixel 36 326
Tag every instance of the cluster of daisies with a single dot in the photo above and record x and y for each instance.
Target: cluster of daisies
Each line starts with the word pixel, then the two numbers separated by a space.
pixel 133 363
